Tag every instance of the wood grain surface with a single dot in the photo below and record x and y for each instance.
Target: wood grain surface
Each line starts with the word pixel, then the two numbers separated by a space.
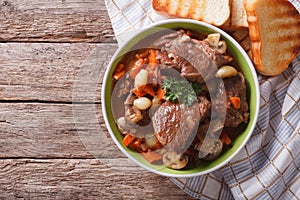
pixel 52 71
pixel 82 179
pixel 55 21
pixel 53 141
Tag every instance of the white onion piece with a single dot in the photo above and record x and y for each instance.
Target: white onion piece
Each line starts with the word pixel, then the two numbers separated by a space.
pixel 141 78
pixel 151 141
pixel 142 103
pixel 226 71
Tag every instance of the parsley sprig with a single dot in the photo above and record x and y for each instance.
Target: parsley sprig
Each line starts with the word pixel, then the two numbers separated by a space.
pixel 181 90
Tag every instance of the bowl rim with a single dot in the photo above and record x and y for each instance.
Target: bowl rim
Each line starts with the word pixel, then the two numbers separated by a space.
pixel 198 23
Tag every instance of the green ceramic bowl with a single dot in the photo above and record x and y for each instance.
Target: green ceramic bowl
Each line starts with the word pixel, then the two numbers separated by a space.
pixel 252 91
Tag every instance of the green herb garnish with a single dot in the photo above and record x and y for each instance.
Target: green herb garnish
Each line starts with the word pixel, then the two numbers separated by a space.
pixel 181 90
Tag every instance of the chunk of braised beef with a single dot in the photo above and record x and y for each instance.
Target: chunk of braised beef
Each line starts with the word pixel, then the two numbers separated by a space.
pixel 174 125
pixel 189 72
pixel 204 107
pixel 169 60
pixel 196 60
pixel 166 39
pixel 234 87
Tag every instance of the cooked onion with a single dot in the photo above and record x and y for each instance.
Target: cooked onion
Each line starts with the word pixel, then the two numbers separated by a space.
pixel 142 103
pixel 141 78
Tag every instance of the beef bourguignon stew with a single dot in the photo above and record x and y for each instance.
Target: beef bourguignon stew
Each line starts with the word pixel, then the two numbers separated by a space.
pixel 181 100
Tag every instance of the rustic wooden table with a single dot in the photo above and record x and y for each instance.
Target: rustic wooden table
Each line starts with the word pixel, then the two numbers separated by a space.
pixel 44 153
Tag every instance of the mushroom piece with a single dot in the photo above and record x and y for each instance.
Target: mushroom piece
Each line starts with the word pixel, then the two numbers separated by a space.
pixel 213 39
pixel 133 115
pixel 175 161
pixel 215 151
pixel 185 38
pixel 122 124
pixel 152 142
pixel 156 102
pixel 222 47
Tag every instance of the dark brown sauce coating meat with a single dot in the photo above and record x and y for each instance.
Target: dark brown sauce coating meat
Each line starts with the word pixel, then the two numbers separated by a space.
pixel 143 126
pixel 234 87
pixel 196 60
pixel 175 125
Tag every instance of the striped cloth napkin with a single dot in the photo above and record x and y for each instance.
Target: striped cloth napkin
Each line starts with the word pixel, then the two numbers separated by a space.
pixel 268 166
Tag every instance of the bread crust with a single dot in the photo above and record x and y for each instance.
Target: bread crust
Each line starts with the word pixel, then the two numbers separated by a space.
pixel 198 10
pixel 237 18
pixel 286 44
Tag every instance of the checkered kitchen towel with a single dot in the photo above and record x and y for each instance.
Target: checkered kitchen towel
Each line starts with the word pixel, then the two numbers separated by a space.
pixel 268 166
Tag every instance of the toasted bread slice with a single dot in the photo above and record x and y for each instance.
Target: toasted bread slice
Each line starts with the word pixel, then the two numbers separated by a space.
pixel 238 16
pixel 214 12
pixel 274 30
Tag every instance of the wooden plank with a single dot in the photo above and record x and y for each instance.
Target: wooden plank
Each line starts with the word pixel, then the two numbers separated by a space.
pixel 82 179
pixel 52 71
pixel 38 130
pixel 55 21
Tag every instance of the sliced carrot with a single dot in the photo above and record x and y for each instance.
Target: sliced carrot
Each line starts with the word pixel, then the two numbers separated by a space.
pixel 143 90
pixel 152 157
pixel 225 138
pixel 117 76
pixel 128 139
pixel 161 93
pixel 236 102
pixel 140 62
pixel 136 145
pixel 119 72
pixel 137 67
pixel 139 92
pixel 149 89
pixel 119 68
pixel 152 59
